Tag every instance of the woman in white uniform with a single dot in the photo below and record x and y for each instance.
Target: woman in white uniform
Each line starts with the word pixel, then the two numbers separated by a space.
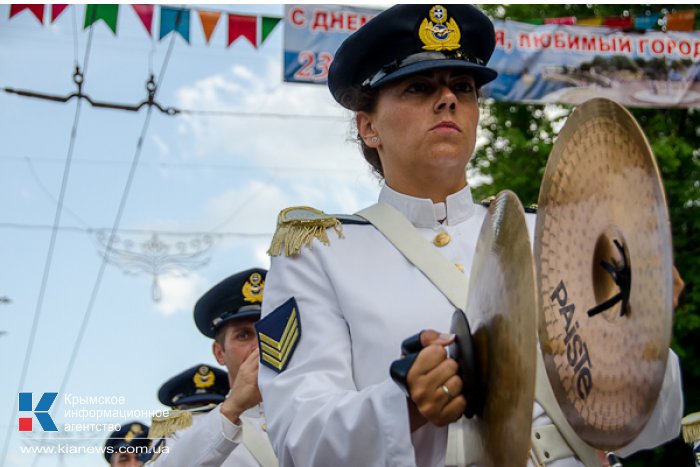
pixel 338 304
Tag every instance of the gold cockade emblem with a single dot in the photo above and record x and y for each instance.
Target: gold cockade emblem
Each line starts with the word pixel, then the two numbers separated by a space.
pixel 253 288
pixel 204 378
pixel 438 33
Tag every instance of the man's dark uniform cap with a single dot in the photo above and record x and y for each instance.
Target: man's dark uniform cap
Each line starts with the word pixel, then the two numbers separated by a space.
pixel 238 296
pixel 131 434
pixel 199 385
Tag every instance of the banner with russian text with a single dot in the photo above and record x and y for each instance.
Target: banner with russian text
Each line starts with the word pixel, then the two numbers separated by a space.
pixel 312 34
pixel 571 64
pixel 552 63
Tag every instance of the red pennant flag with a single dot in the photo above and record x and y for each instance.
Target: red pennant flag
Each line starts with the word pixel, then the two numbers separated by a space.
pixel 563 20
pixel 56 11
pixel 622 22
pixel 145 14
pixel 38 10
pixel 240 25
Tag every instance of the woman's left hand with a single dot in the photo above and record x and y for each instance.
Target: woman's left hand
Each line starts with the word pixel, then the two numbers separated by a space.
pixel 434 387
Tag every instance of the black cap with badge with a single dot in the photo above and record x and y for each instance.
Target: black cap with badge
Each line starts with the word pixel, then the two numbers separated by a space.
pixel 195 387
pixel 408 39
pixel 238 296
pixel 132 437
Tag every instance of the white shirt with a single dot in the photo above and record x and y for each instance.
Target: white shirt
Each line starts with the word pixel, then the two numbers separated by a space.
pixel 357 299
pixel 211 441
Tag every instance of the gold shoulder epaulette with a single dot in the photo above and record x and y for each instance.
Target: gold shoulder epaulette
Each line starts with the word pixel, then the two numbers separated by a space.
pixel 298 226
pixel 163 427
pixel 691 427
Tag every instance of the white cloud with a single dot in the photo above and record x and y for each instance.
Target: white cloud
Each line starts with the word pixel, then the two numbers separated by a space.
pixel 180 292
pixel 310 143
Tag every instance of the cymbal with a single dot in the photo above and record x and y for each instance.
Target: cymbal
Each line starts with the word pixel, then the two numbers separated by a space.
pixel 603 245
pixel 502 310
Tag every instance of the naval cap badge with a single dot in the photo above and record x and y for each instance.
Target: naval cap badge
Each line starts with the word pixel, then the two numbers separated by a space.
pixel 438 33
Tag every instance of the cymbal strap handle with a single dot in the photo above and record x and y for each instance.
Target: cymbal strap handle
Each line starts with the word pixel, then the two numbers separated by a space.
pixel 399 371
pixel 622 275
pixel 411 344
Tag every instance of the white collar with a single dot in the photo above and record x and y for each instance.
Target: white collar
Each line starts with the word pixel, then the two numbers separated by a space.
pixel 423 213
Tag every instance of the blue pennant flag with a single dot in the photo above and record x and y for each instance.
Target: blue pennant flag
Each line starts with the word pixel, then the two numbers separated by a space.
pixel 175 19
pixel 642 23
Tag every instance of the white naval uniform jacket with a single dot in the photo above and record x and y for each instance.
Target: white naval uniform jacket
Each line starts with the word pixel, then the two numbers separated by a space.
pixel 211 441
pixel 357 299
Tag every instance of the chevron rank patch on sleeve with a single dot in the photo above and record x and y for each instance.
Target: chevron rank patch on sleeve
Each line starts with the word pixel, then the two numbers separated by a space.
pixel 278 335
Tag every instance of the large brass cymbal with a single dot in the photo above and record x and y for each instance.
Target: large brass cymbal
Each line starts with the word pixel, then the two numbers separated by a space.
pixel 502 311
pixel 603 244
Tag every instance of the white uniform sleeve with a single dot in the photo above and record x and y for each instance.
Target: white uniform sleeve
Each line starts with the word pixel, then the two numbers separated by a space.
pixel 665 421
pixel 207 443
pixel 316 415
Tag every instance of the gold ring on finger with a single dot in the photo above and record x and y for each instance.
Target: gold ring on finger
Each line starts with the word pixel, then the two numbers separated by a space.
pixel 447 392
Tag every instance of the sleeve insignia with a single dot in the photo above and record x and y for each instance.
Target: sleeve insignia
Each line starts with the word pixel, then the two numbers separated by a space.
pixel 278 335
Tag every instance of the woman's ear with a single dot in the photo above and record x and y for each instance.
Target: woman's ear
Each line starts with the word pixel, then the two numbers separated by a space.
pixel 366 130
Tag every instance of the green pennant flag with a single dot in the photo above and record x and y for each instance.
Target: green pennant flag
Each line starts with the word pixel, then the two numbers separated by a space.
pixel 535 21
pixel 106 12
pixel 268 24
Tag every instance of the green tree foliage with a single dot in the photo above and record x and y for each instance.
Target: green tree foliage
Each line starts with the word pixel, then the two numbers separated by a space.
pixel 519 139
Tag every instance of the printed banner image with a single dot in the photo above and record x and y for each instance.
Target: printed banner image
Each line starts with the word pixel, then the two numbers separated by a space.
pixel 569 65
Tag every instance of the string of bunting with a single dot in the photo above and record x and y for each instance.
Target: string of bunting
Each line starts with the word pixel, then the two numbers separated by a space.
pixel 683 20
pixel 176 20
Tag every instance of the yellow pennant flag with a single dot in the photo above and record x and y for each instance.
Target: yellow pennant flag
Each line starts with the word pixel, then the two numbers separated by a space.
pixel 589 22
pixel 209 21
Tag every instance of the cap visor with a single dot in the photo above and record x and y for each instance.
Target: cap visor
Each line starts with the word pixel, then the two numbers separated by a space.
pixel 482 74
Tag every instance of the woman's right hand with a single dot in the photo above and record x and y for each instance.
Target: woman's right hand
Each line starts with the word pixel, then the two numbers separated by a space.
pixel 434 386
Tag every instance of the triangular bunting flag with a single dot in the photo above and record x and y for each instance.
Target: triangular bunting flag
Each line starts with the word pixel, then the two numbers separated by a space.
pixel 145 14
pixel 589 22
pixel 56 11
pixel 268 24
pixel 622 22
pixel 240 25
pixel 563 20
pixel 106 12
pixel 643 23
pixel 209 21
pixel 680 21
pixel 37 10
pixel 175 19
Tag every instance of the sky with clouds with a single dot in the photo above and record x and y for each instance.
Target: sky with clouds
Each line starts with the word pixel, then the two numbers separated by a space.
pixel 203 181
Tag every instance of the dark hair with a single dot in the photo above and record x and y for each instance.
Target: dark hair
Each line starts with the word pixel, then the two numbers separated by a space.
pixel 220 336
pixel 364 100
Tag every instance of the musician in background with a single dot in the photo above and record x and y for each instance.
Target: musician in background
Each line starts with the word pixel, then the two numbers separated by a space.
pixel 128 446
pixel 340 298
pixel 233 432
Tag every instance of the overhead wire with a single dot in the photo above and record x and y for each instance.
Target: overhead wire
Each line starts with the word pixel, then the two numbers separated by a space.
pixel 49 258
pixel 115 226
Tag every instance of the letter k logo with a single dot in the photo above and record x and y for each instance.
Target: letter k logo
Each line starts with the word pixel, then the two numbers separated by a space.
pixel 41 411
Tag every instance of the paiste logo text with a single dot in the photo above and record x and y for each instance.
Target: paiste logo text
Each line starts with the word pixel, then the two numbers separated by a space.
pixel 40 411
